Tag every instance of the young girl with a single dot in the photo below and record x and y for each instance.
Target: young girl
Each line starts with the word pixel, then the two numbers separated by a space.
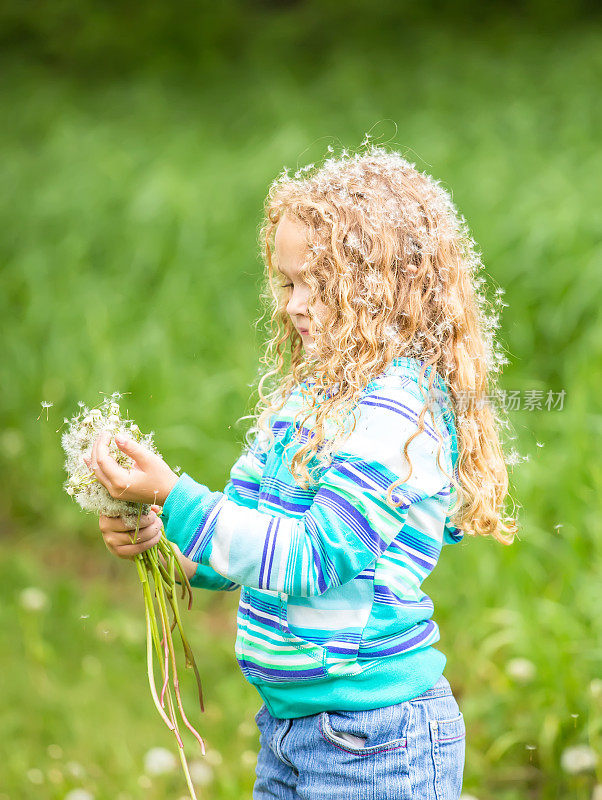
pixel 364 460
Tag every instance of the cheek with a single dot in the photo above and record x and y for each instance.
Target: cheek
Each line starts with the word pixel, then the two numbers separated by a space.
pixel 320 309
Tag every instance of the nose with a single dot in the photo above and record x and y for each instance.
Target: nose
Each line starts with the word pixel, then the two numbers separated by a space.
pixel 296 305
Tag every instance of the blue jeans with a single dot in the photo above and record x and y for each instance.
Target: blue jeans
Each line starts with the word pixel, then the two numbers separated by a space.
pixel 412 750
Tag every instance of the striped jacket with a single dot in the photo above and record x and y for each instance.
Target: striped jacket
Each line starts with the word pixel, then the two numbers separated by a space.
pixel 331 613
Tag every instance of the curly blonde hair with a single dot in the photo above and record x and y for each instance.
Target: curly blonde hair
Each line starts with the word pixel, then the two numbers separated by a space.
pixel 393 261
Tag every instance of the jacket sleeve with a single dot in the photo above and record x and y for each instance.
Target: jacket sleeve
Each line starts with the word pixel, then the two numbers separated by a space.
pixel 348 524
pixel 243 489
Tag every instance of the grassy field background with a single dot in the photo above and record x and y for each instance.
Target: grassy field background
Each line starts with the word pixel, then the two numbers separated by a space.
pixel 133 190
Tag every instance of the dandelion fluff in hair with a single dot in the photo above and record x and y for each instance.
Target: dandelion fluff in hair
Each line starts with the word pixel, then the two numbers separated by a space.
pixel 392 271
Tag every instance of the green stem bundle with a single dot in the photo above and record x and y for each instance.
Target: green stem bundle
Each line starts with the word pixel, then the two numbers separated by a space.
pixel 149 565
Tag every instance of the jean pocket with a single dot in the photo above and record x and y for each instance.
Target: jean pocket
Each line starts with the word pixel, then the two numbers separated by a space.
pixel 448 743
pixel 365 732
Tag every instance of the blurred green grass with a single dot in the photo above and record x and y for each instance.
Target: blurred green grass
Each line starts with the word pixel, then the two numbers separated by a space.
pixel 128 241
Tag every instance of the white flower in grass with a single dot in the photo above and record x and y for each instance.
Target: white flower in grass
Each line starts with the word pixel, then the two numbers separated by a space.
pixel 79 794
pixel 33 599
pixel 75 769
pixel 35 775
pixel 248 758
pixel 55 775
pixel 595 688
pixel 247 728
pixel 214 757
pixel 580 758
pixel 521 670
pixel 159 761
pixel 201 773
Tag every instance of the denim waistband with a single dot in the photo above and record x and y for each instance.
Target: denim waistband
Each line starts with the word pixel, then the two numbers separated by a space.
pixel 440 689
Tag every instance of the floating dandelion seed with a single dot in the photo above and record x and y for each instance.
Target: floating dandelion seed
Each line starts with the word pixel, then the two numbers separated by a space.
pixel 45 405
pixel 558 526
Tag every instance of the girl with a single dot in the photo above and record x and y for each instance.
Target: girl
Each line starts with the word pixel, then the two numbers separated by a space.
pixel 364 460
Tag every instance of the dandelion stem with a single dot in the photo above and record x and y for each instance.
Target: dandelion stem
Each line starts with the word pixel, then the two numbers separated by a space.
pixel 190 661
pixel 176 683
pixel 149 648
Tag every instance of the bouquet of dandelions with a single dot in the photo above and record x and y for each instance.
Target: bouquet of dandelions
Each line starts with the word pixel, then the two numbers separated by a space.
pixel 157 564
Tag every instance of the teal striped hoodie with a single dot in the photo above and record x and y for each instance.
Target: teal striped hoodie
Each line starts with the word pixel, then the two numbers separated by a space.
pixel 331 613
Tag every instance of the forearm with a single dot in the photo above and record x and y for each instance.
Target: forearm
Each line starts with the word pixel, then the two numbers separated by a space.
pixel 188 565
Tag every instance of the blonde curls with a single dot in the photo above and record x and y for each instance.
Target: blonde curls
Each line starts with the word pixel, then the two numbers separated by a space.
pixel 393 262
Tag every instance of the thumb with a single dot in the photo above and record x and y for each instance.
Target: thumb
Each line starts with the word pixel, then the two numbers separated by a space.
pixel 131 448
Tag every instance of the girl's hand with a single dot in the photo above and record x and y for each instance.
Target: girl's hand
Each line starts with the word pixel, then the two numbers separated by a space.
pixel 150 480
pixel 118 535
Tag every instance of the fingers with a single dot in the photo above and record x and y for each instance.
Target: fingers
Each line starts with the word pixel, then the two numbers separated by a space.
pixel 132 550
pixel 106 465
pixel 118 525
pixel 133 449
pixel 120 542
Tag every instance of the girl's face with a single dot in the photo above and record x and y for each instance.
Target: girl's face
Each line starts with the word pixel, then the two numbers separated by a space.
pixel 291 248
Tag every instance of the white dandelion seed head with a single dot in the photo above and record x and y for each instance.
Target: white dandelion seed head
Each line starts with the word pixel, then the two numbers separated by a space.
pixel 201 773
pixel 595 688
pixel 214 757
pixel 521 669
pixel 248 758
pixel 79 794
pixel 75 769
pixel 81 484
pixel 159 761
pixel 33 599
pixel 580 758
pixel 35 775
